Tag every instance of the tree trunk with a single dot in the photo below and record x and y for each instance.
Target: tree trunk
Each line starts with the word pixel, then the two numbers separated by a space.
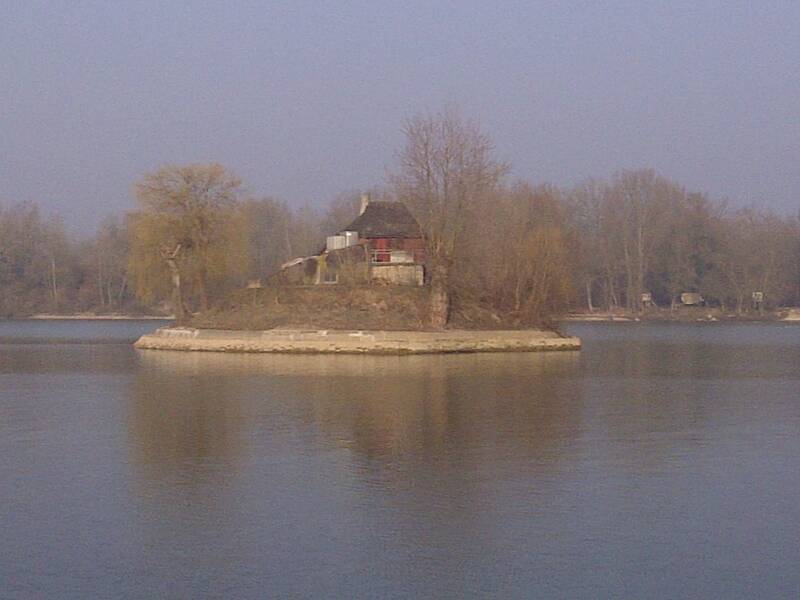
pixel 629 279
pixel 589 304
pixel 100 280
pixel 440 299
pixel 54 283
pixel 177 296
pixel 518 293
pixel 202 290
pixel 640 268
pixel 123 285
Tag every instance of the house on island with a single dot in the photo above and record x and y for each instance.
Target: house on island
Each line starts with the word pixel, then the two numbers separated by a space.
pixel 383 244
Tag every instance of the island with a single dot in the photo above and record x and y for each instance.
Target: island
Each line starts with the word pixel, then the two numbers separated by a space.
pixel 366 292
pixel 296 341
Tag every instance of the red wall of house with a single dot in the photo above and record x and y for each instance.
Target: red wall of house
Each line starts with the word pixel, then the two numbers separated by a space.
pixel 414 245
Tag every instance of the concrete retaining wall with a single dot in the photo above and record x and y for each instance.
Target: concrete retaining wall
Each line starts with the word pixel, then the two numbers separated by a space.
pixel 398 274
pixel 354 342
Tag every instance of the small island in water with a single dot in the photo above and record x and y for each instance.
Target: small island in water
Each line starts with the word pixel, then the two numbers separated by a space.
pixel 367 292
pixel 379 319
pixel 295 341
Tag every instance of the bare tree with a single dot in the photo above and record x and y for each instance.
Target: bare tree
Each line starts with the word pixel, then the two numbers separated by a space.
pixel 534 252
pixel 446 168
pixel 640 199
pixel 583 204
pixel 110 248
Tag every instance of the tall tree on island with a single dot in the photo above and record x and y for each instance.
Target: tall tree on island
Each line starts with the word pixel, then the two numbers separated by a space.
pixel 187 234
pixel 446 169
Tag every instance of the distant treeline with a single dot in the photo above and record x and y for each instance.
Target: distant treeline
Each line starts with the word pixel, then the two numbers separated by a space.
pixel 43 269
pixel 518 249
pixel 596 246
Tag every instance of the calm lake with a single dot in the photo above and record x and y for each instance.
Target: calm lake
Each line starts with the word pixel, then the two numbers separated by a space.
pixel 662 461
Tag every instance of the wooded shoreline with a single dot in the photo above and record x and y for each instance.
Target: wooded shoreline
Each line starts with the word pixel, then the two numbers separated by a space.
pixel 524 251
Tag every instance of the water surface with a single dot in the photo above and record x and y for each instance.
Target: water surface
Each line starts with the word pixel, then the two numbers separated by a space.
pixel 662 461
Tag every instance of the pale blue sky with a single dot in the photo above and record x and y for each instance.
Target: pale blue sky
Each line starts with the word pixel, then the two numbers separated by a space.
pixel 306 99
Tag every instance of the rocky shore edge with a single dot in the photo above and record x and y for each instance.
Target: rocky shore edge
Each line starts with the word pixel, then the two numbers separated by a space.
pixel 296 341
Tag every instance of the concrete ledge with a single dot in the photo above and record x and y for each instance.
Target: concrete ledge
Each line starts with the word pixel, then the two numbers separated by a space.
pixel 354 342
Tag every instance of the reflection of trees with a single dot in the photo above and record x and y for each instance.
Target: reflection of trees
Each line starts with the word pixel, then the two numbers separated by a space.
pixel 38 357
pixel 184 426
pixel 432 409
pixel 435 444
pixel 402 419
pixel 444 407
pixel 447 441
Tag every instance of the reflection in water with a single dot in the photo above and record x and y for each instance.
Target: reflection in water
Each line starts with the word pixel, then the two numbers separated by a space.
pixel 379 407
pixel 660 461
pixel 185 425
pixel 323 365
pixel 42 359
pixel 356 445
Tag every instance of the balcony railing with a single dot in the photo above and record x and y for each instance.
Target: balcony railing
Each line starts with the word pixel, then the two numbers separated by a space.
pixel 388 256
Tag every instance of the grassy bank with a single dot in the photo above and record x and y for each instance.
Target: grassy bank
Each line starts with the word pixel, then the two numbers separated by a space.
pixel 338 307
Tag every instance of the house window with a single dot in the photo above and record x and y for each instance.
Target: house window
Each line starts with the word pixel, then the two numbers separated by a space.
pixel 330 277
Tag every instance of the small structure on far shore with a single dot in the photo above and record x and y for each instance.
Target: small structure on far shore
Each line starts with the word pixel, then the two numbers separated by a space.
pixel 383 244
pixel 692 299
pixel 758 301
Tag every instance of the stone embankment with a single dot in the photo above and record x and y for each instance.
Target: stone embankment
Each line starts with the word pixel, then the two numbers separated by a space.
pixel 354 342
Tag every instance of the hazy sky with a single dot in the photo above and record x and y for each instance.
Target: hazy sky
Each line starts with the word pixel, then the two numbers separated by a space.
pixel 306 99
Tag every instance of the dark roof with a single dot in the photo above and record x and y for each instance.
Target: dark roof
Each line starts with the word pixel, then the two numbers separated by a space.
pixel 385 220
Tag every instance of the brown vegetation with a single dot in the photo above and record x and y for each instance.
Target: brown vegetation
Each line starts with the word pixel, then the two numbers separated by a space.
pixel 321 307
pixel 446 172
pixel 367 307
pixel 498 252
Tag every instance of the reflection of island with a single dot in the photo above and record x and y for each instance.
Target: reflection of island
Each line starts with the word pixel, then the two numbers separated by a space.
pixel 439 446
pixel 184 426
pixel 448 408
pixel 428 407
pixel 428 448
